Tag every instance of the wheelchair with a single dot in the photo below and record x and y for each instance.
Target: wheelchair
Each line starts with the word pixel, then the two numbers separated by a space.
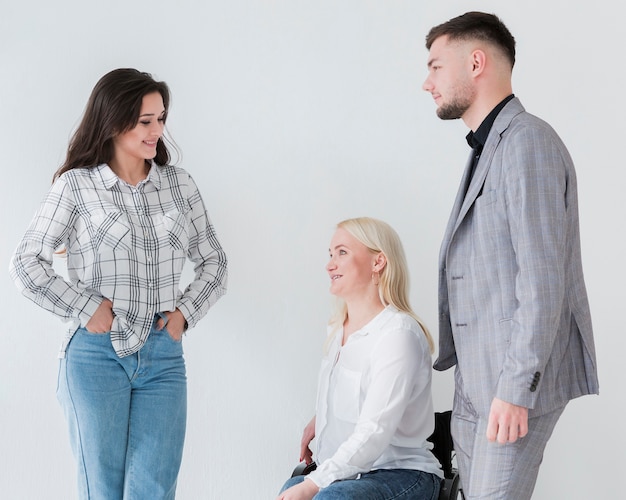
pixel 443 449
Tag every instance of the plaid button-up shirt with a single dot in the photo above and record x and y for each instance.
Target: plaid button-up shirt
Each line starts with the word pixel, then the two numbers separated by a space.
pixel 124 243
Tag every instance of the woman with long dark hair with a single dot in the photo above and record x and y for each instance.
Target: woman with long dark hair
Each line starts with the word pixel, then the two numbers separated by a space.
pixel 126 222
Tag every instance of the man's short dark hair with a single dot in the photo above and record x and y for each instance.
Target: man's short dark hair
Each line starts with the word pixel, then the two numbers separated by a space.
pixel 476 26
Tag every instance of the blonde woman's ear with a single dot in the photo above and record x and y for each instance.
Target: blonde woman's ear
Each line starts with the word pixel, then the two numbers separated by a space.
pixel 380 262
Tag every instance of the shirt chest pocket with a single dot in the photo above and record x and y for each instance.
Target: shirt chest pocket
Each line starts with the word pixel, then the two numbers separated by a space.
pixel 110 230
pixel 172 228
pixel 347 394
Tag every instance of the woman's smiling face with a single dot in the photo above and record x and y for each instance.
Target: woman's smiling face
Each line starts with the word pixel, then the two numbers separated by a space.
pixel 350 265
pixel 139 143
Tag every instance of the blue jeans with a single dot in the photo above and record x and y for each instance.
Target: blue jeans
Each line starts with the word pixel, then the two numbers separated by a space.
pixel 126 416
pixel 381 484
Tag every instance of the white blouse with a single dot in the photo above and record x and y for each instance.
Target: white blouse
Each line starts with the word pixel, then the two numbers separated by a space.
pixel 374 403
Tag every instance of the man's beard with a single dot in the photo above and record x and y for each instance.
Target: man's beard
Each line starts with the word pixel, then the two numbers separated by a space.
pixel 462 98
pixel 454 110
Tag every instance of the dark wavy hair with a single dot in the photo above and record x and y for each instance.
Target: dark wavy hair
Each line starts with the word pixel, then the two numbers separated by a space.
pixel 112 109
pixel 476 26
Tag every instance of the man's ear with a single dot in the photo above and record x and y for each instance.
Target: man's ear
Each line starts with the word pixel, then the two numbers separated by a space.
pixel 478 60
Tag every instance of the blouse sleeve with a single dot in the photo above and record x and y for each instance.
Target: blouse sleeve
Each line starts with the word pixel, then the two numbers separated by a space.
pixel 210 263
pixel 31 264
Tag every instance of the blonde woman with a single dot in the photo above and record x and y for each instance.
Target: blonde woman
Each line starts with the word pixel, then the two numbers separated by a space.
pixel 374 409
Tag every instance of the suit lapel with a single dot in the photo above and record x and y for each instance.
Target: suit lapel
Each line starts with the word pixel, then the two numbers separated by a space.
pixel 480 174
pixel 456 209
pixel 474 190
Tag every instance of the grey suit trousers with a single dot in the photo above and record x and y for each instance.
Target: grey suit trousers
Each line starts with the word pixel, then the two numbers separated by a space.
pixel 493 471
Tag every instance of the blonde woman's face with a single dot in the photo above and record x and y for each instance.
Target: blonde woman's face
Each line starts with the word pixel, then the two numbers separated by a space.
pixel 350 266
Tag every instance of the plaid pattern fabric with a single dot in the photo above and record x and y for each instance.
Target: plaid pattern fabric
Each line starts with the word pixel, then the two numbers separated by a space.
pixel 126 243
pixel 513 308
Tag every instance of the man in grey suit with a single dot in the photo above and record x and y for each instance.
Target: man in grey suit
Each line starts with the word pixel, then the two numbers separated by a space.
pixel 513 309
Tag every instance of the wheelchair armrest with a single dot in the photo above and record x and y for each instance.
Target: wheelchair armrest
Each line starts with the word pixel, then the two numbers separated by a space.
pixel 303 469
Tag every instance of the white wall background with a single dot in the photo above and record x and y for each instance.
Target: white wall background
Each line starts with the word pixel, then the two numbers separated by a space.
pixel 293 115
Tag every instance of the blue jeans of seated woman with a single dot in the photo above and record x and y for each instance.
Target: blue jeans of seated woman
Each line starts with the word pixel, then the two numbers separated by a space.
pixel 126 416
pixel 381 484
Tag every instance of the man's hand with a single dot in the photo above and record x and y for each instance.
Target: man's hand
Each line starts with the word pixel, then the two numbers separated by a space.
pixel 507 422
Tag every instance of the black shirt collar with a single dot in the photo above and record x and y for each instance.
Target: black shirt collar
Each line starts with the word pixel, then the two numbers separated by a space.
pixel 476 140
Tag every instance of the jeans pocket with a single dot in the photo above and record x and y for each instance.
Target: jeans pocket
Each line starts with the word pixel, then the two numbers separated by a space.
pixel 169 335
pixel 84 331
pixel 164 329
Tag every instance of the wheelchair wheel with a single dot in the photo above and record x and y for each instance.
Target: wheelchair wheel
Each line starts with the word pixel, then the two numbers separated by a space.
pixel 451 489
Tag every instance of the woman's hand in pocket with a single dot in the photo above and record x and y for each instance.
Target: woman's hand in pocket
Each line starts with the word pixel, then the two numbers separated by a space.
pixel 102 319
pixel 175 324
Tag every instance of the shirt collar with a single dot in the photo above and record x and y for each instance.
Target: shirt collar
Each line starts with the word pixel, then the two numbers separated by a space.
pixel 476 140
pixel 377 322
pixel 154 176
pixel 109 179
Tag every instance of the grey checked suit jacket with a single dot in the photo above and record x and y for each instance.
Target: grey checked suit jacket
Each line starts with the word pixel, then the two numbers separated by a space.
pixel 513 309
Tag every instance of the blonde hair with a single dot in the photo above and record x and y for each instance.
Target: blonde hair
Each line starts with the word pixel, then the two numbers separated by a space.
pixel 393 287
